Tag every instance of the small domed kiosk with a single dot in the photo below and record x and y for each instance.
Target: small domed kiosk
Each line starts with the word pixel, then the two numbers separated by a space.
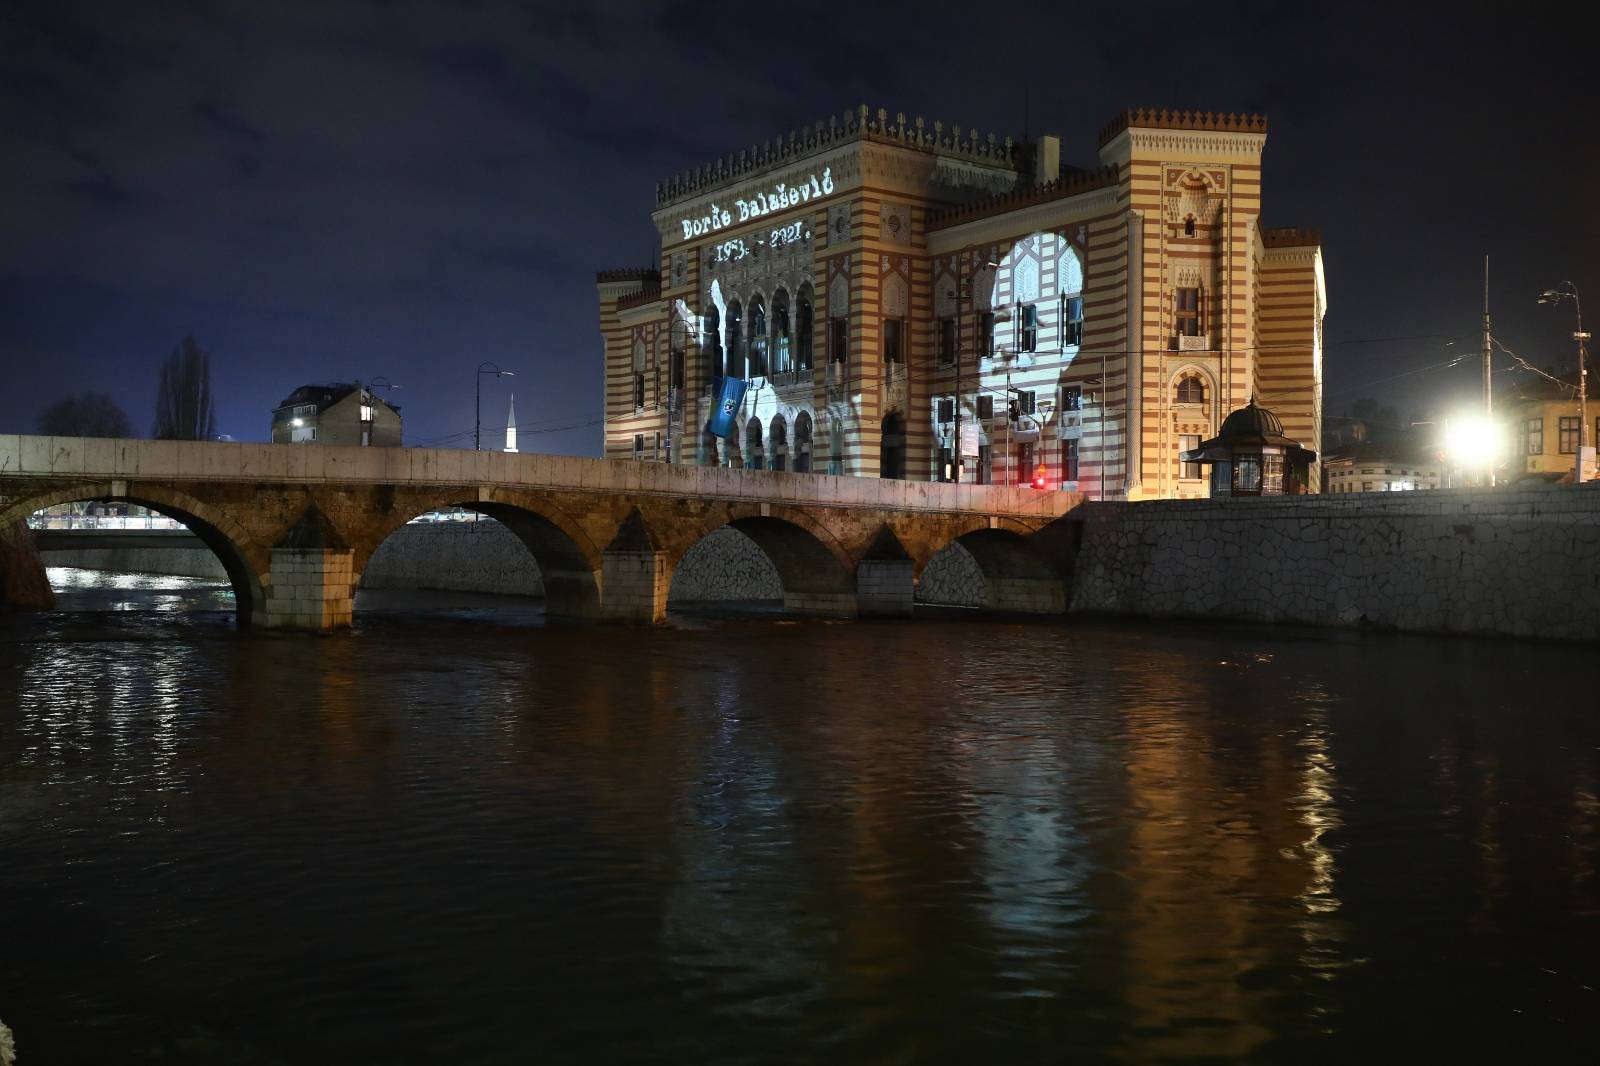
pixel 1252 457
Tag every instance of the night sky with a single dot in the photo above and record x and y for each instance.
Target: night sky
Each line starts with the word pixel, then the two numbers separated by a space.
pixel 338 190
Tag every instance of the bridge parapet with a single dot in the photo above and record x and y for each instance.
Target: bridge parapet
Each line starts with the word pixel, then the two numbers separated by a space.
pixel 245 502
pixel 98 459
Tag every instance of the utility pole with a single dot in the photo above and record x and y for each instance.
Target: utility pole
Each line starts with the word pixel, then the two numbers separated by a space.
pixel 1488 407
pixel 1583 388
pixel 1555 296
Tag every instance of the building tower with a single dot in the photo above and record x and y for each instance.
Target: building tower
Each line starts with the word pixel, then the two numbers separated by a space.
pixel 511 424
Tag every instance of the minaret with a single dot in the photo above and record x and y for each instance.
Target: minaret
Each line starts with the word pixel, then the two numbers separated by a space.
pixel 511 424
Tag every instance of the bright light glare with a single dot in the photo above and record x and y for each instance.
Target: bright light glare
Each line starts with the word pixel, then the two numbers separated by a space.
pixel 1473 440
pixel 296 422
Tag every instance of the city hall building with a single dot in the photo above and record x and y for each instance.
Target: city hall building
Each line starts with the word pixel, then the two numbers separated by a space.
pixel 912 300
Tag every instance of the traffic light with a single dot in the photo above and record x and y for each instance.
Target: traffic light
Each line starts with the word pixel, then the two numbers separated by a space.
pixel 1012 410
pixel 1039 477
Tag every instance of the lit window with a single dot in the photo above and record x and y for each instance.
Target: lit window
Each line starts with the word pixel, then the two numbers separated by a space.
pixel 1072 321
pixel 1567 434
pixel 366 412
pixel 1188 312
pixel 1533 436
pixel 1188 442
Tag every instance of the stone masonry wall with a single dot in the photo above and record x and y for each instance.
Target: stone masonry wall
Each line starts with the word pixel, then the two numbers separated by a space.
pixel 481 556
pixel 952 578
pixel 1521 562
pixel 725 565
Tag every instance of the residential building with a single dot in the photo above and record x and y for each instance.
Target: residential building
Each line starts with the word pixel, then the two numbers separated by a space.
pixel 1542 419
pixel 1381 466
pixel 880 282
pixel 337 413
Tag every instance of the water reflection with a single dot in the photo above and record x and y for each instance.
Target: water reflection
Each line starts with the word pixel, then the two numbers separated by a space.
pixel 758 841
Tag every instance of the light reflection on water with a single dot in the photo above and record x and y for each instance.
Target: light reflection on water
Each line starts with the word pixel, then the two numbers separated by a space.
pixel 466 837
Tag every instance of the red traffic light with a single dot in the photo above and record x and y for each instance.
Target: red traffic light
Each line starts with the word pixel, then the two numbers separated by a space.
pixel 1039 478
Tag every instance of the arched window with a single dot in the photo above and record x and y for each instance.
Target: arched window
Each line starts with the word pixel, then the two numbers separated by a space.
pixel 781 362
pixel 778 452
pixel 752 444
pixel 735 366
pixel 758 337
pixel 802 443
pixel 802 323
pixel 1191 390
pixel 711 347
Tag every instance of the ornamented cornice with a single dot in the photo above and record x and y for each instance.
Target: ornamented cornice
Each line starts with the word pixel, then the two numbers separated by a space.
pixel 855 125
pixel 1063 187
pixel 649 294
pixel 1208 121
pixel 604 277
pixel 1291 237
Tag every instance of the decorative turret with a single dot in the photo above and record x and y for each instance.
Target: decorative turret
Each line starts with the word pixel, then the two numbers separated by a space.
pixel 511 424
pixel 1251 456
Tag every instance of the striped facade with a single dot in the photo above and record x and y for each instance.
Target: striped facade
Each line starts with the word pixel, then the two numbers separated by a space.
pixel 1081 327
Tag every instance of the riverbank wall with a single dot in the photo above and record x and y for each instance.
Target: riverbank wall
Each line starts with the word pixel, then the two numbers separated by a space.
pixel 1504 562
pixel 1512 561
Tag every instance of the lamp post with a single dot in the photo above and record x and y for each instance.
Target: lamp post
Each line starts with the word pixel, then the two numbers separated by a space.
pixel 1555 296
pixel 484 367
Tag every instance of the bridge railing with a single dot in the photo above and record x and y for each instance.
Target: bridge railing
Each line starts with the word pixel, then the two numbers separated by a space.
pixel 98 459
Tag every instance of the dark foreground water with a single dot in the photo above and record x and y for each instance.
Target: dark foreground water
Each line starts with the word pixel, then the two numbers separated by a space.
pixel 462 837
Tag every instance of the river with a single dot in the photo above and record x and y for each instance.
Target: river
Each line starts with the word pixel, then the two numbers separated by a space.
pixel 458 835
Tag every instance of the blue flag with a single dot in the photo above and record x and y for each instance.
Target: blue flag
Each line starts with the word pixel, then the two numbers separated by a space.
pixel 728 400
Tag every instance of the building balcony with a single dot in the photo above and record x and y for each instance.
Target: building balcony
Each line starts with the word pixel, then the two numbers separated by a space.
pixel 1198 343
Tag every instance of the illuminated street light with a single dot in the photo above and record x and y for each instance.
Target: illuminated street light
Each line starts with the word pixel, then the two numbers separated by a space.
pixel 1473 442
pixel 484 367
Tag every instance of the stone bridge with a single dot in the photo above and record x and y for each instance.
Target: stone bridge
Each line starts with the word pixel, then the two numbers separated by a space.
pixel 294 525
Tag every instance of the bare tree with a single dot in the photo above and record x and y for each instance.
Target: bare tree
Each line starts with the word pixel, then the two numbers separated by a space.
pixel 183 400
pixel 88 414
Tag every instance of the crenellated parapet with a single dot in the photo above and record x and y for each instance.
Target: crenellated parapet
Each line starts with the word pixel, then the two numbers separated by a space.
pixel 640 274
pixel 859 124
pixel 1025 196
pixel 1291 237
pixel 1163 119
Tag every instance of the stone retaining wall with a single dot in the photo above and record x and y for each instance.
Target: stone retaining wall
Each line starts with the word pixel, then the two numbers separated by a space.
pixel 198 562
pixel 1520 562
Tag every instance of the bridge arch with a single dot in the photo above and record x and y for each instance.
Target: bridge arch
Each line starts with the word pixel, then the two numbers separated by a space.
pixel 1015 575
pixel 242 558
pixel 567 558
pixel 817 574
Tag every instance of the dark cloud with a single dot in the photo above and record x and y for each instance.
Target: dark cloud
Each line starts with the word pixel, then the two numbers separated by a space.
pixel 348 189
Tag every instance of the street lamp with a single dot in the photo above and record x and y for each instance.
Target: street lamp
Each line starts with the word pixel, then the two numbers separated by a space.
pixel 484 367
pixel 1555 296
